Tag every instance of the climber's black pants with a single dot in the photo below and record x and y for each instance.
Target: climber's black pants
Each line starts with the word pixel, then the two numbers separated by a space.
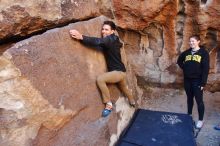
pixel 193 89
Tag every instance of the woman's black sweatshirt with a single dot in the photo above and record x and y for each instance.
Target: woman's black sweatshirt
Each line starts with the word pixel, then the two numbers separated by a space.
pixel 195 66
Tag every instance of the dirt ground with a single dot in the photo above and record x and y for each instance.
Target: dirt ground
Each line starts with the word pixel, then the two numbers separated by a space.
pixel 173 100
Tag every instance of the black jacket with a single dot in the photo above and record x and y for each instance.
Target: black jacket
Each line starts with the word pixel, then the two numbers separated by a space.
pixel 111 48
pixel 195 66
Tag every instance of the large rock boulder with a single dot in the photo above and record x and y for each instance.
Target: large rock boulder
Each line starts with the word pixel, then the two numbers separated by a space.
pixel 49 94
pixel 22 18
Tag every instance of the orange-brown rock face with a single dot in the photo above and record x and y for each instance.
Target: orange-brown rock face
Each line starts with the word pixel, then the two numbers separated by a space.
pixel 137 15
pixel 162 32
pixel 21 18
pixel 49 94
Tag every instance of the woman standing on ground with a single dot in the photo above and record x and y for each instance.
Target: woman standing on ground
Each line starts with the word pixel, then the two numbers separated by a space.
pixel 195 65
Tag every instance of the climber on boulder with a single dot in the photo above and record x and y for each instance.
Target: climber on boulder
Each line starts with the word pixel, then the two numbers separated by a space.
pixel 110 45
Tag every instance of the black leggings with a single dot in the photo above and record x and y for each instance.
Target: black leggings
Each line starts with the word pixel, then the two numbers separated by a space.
pixel 193 89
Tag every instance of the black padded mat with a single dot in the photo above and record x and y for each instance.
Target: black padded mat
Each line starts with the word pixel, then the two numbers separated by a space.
pixel 156 128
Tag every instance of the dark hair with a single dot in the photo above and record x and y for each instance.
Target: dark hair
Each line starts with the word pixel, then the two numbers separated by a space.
pixel 111 24
pixel 195 37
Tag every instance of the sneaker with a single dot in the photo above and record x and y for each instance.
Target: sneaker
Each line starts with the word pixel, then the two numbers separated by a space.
pixel 217 127
pixel 199 124
pixel 107 110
